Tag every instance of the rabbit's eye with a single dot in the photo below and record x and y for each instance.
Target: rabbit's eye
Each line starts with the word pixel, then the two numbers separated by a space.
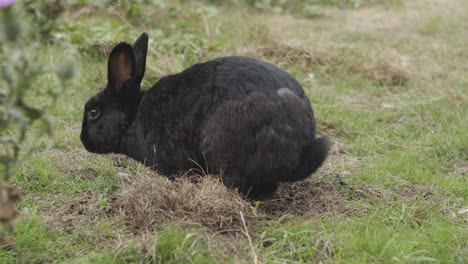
pixel 93 113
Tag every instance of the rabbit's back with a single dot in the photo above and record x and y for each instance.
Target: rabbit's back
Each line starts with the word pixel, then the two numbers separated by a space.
pixel 236 77
pixel 228 78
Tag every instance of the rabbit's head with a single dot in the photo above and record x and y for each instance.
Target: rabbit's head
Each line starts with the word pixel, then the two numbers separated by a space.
pixel 109 114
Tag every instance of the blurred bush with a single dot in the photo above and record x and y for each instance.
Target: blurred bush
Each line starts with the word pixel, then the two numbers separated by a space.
pixel 20 67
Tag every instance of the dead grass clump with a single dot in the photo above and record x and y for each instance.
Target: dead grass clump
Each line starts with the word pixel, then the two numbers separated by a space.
pixel 459 170
pixel 384 68
pixel 332 57
pixel 148 201
pixel 389 68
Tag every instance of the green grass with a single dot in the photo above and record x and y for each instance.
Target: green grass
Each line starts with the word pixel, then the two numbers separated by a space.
pixel 405 142
pixel 395 233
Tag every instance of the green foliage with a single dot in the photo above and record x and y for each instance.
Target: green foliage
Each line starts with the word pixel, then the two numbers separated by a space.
pixel 19 72
pixel 44 15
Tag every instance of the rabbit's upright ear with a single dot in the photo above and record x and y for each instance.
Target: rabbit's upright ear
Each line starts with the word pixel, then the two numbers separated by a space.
pixel 140 49
pixel 121 66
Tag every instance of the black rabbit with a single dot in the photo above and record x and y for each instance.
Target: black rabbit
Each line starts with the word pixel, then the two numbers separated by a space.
pixel 243 118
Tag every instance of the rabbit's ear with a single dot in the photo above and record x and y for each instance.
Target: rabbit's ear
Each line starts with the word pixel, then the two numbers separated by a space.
pixel 140 49
pixel 121 66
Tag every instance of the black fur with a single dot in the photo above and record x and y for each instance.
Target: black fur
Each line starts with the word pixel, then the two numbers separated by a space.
pixel 238 116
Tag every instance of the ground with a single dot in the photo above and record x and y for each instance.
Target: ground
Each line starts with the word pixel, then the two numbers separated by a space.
pixel 388 84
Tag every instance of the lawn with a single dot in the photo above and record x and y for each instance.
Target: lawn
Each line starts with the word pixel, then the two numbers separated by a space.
pixel 387 80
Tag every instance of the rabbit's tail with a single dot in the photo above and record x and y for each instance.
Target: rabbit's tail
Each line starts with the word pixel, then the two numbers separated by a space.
pixel 312 158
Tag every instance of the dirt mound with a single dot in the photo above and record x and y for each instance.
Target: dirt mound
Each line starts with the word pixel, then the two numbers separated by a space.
pixel 310 198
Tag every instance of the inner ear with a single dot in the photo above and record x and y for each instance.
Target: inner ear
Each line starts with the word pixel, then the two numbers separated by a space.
pixel 121 66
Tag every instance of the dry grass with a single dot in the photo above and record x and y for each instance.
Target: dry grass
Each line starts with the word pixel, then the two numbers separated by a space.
pixel 145 200
pixel 77 213
pixel 385 68
pixel 149 200
pixel 459 170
